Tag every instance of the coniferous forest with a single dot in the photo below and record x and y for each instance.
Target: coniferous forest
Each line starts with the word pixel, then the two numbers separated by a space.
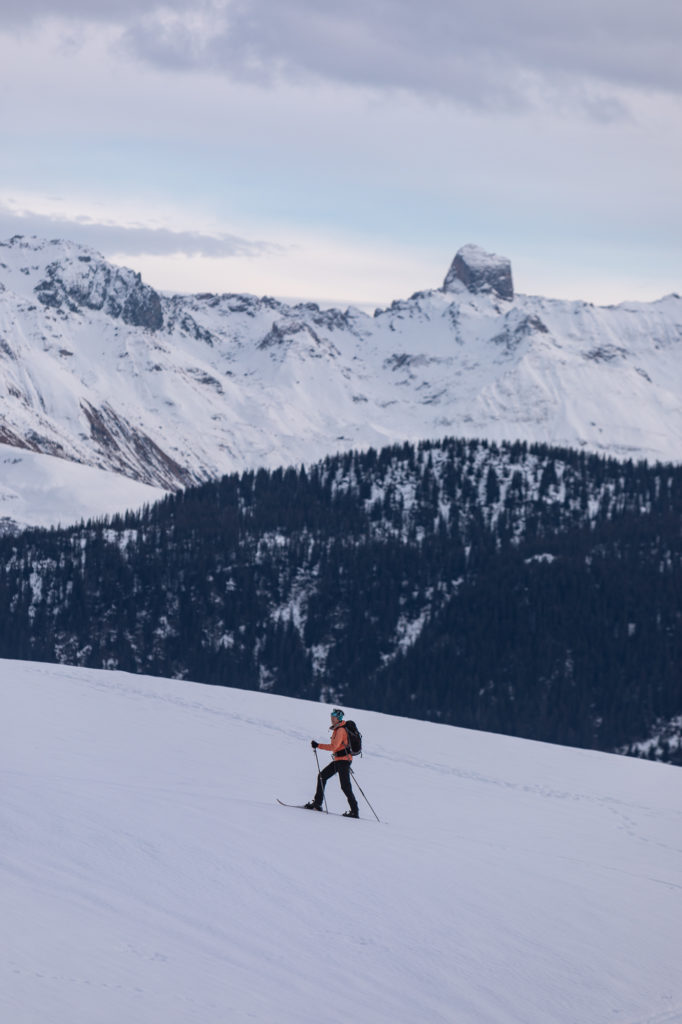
pixel 519 589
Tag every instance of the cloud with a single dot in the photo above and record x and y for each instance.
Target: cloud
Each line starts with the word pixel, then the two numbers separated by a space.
pixel 487 53
pixel 133 240
pixel 491 53
pixel 22 11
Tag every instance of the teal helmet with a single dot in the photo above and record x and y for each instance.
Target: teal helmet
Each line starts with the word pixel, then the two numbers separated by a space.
pixel 337 713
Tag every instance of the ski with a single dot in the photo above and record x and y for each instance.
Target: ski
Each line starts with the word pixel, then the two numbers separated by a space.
pixel 302 807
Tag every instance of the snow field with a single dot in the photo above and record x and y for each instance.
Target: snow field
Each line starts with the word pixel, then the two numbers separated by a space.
pixel 148 874
pixel 41 490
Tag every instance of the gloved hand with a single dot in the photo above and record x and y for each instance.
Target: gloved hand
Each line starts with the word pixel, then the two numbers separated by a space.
pixel 314 744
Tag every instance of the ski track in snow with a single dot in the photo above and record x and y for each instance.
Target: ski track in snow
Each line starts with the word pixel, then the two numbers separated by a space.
pixel 150 876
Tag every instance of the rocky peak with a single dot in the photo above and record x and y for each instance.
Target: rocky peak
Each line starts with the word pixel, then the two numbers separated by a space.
pixel 67 276
pixel 480 272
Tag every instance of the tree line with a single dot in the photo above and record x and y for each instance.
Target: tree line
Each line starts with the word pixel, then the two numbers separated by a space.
pixel 515 588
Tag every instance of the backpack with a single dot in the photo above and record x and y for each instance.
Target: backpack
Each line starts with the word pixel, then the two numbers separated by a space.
pixel 354 739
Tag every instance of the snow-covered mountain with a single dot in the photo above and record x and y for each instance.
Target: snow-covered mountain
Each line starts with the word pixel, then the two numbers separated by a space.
pixel 98 368
pixel 150 876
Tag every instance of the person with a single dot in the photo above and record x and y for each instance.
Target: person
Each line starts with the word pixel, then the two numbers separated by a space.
pixel 340 765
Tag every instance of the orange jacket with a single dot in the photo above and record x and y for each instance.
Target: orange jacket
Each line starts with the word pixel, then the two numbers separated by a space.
pixel 338 744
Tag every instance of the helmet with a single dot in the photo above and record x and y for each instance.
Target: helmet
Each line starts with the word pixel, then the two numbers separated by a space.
pixel 337 713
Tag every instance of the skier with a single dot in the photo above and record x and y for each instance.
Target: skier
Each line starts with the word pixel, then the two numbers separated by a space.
pixel 339 765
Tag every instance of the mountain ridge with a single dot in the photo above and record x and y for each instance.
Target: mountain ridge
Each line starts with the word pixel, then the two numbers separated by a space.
pixel 99 368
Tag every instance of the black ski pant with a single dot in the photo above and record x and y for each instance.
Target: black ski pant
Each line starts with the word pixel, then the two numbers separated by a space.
pixel 342 769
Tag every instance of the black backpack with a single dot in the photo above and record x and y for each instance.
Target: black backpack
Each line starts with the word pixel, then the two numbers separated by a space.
pixel 354 739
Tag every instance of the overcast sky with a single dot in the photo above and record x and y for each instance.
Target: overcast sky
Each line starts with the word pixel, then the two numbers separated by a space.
pixel 344 151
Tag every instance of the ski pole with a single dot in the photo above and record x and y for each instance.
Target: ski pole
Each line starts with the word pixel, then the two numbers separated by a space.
pixel 360 788
pixel 320 781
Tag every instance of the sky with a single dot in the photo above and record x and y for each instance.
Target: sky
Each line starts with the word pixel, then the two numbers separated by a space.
pixel 345 152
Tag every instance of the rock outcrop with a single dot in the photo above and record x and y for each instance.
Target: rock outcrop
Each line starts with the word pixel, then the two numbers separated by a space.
pixel 90 282
pixel 480 272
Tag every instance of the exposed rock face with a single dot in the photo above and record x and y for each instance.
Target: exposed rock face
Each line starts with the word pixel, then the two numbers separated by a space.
pixel 480 272
pixel 132 452
pixel 94 284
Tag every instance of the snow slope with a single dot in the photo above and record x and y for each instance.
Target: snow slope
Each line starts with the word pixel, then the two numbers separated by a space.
pixel 149 875
pixel 98 368
pixel 40 490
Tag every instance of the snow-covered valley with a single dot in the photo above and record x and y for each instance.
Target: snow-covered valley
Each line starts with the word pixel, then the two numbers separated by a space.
pixel 150 876
pixel 99 369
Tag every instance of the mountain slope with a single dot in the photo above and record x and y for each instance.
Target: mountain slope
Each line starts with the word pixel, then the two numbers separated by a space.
pixel 96 367
pixel 43 491
pixel 527 591
pixel 150 876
